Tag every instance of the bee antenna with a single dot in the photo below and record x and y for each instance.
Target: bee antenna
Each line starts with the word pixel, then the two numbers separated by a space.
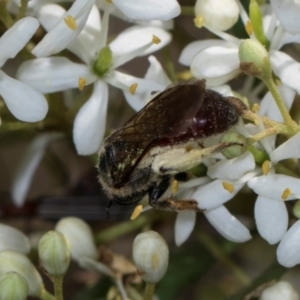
pixel 107 209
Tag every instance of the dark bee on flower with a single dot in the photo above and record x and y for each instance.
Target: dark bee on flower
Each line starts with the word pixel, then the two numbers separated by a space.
pixel 164 140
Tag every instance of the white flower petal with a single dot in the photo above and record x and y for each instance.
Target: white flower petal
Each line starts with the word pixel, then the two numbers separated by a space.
pixel 289 149
pixel 13 239
pixel 288 251
pixel 143 91
pixel 281 290
pixel 287 12
pixel 137 41
pixel 25 103
pixel 224 90
pixel 273 186
pixel 184 225
pixel 216 64
pixel 218 14
pixel 213 194
pixel 80 236
pixel 53 74
pixel 149 9
pixel 268 105
pixel 15 38
pixel 88 41
pixel 60 36
pixel 189 52
pixel 156 72
pixel 232 169
pixel 286 68
pixel 227 225
pixel 271 218
pixel 90 121
pixel 30 161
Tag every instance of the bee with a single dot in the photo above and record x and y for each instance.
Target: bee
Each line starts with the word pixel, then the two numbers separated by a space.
pixel 164 140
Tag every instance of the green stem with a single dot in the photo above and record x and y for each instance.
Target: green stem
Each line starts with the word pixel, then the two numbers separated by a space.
pixel 5 17
pixel 188 10
pixel 58 287
pixel 259 156
pixel 293 127
pixel 215 250
pixel 121 229
pixel 46 295
pixel 168 62
pixel 149 291
pixel 22 9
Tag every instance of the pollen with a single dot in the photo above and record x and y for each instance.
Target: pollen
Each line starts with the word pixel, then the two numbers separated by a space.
pixel 199 22
pixel 249 28
pixel 70 22
pixel 174 187
pixel 136 212
pixel 286 193
pixel 228 187
pixel 133 88
pixel 255 107
pixel 266 167
pixel 255 121
pixel 81 83
pixel 155 39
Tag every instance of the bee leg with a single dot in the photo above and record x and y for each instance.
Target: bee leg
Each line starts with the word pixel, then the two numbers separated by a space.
pixel 156 192
pixel 175 205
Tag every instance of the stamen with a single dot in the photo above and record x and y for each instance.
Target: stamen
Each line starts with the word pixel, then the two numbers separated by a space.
pixel 81 83
pixel 199 22
pixel 255 107
pixel 70 22
pixel 228 187
pixel 155 40
pixel 286 193
pixel 266 167
pixel 136 212
pixel 249 28
pixel 174 187
pixel 133 88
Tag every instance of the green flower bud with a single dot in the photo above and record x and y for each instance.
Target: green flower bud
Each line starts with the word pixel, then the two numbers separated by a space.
pixel 151 256
pixel 103 62
pixel 238 147
pixel 80 236
pixel 13 286
pixel 254 59
pixel 54 253
pixel 11 261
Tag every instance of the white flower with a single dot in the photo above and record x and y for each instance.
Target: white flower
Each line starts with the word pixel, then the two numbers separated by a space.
pixel 217 14
pixel 281 290
pixel 212 194
pixel 24 102
pixel 56 74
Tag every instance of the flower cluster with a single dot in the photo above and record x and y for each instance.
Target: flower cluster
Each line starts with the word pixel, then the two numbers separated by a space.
pixel 60 67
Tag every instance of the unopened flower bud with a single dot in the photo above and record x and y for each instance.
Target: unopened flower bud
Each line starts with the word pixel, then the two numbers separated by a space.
pixel 11 261
pixel 254 59
pixel 281 290
pixel 238 146
pixel 54 253
pixel 13 286
pixel 151 256
pixel 217 14
pixel 103 62
pixel 80 236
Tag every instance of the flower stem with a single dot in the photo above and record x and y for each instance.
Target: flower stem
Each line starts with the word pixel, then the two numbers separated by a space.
pixel 22 9
pixel 5 17
pixel 46 296
pixel 221 256
pixel 149 291
pixel 187 10
pixel 293 128
pixel 58 287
